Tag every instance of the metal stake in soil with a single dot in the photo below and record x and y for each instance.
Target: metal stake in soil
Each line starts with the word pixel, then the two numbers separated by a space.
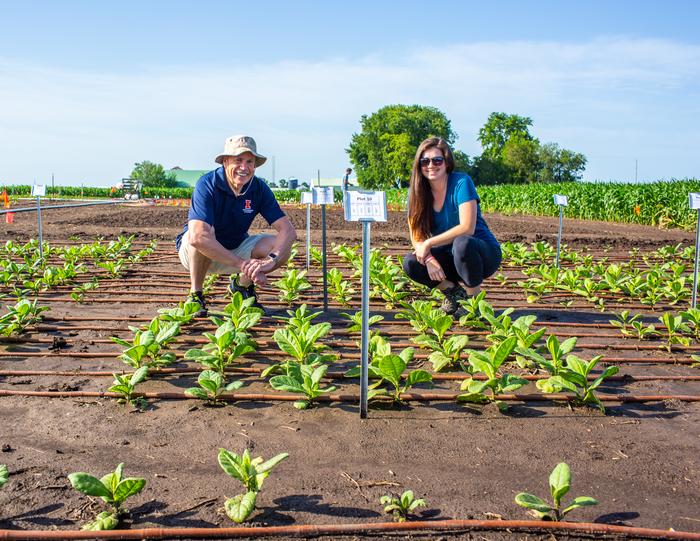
pixel 562 201
pixel 323 248
pixel 364 370
pixel 38 217
pixel 308 236
pixel 695 205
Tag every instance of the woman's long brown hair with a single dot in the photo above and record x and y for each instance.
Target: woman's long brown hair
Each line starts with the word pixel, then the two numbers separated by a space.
pixel 420 198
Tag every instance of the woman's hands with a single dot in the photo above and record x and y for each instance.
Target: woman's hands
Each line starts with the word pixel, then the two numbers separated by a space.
pixel 422 251
pixel 434 269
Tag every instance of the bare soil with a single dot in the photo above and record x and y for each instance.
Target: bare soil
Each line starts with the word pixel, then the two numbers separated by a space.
pixel 641 460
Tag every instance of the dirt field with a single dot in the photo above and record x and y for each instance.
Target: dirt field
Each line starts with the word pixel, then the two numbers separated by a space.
pixel 641 460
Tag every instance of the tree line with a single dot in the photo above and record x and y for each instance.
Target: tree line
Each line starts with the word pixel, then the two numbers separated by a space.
pixel 382 153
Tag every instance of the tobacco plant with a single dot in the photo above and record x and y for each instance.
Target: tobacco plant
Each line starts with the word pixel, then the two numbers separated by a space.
pixel 559 485
pixel 624 321
pixel 390 368
pixel 211 385
pixel 241 313
pixel 291 285
pixel 146 348
pixel 301 341
pixel 574 378
pixel 303 379
pixel 20 316
pixel 691 318
pixel 125 384
pixel 555 365
pixel 78 293
pixel 183 313
pixel 341 290
pixel 225 345
pixel 675 326
pixel 489 363
pixel 251 473
pixel 400 507
pixel 113 489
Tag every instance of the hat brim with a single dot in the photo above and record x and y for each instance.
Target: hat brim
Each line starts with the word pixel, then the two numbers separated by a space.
pixel 259 158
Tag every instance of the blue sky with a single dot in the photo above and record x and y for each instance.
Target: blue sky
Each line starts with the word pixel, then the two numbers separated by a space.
pixel 89 88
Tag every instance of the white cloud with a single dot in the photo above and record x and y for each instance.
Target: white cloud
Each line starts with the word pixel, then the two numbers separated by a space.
pixel 614 99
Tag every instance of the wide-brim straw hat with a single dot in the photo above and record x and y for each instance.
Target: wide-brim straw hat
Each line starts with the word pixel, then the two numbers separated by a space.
pixel 239 144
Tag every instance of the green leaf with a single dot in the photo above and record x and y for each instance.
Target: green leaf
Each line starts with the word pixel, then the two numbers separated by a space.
pixel 559 482
pixel 391 367
pixel 3 474
pixel 128 487
pixel 580 501
pixel 531 501
pixel 196 392
pixel 231 464
pixel 418 376
pixel 271 463
pixel 239 508
pixel 103 521
pixel 87 484
pixel 286 383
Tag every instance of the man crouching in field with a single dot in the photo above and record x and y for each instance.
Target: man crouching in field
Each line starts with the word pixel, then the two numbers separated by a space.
pixel 224 203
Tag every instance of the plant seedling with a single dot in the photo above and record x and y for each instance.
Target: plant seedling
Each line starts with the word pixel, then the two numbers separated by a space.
pixel 113 489
pixel 183 313
pixel 303 379
pixel 674 327
pixel 4 476
pixel 574 377
pixel 211 386
pixel 391 368
pixel 401 506
pixel 224 347
pixel 20 316
pixel 489 362
pixel 251 473
pixel 241 312
pixel 291 285
pixel 559 485
pixel 124 385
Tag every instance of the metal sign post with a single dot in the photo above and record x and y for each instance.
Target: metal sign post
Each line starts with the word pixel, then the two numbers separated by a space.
pixel 365 207
pixel 38 191
pixel 694 202
pixel 306 199
pixel 324 196
pixel 562 201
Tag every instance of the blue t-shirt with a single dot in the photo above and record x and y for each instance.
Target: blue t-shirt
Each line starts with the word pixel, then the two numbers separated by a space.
pixel 214 202
pixel 460 189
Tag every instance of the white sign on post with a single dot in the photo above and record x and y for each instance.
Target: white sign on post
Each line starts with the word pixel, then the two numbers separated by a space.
pixel 307 198
pixel 362 205
pixel 694 200
pixel 561 200
pixel 39 190
pixel 323 195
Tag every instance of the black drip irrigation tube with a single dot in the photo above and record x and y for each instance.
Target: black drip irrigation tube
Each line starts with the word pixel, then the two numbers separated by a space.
pixel 455 526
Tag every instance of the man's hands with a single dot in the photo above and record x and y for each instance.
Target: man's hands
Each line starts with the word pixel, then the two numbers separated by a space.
pixel 257 269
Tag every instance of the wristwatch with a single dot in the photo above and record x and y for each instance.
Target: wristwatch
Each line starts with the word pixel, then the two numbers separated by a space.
pixel 272 255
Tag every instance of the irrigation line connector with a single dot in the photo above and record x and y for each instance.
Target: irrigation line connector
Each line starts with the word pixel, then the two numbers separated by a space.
pixel 694 203
pixel 561 201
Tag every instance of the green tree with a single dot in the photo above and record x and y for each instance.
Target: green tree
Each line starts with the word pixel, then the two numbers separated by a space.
pixel 382 153
pixel 521 157
pixel 560 164
pixel 152 175
pixel 499 128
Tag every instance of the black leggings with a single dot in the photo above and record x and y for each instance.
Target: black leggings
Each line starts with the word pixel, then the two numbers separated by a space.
pixel 467 259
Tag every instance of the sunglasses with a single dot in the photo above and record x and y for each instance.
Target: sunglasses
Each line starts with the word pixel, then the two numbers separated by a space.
pixel 437 161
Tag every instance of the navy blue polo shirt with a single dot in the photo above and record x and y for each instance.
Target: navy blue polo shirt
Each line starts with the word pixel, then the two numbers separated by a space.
pixel 214 202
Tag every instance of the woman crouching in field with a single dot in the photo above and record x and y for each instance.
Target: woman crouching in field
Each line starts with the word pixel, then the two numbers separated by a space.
pixel 451 240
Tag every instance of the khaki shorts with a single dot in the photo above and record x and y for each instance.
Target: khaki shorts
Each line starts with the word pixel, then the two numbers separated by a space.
pixel 243 251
